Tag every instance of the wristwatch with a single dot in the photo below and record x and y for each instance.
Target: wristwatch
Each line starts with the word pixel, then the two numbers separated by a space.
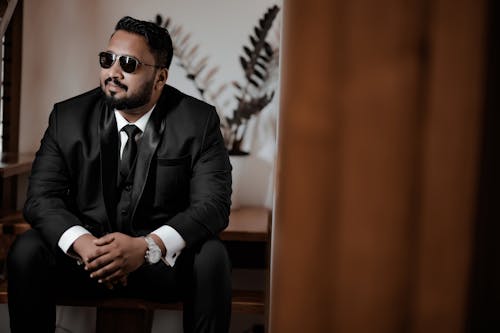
pixel 153 253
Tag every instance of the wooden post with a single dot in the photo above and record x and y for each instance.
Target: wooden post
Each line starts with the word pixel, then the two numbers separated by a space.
pixel 377 161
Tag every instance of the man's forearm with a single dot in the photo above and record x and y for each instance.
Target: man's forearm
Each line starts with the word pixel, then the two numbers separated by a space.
pixel 70 236
pixel 170 242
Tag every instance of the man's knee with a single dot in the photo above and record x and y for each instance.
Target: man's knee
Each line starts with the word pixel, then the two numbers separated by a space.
pixel 212 260
pixel 28 252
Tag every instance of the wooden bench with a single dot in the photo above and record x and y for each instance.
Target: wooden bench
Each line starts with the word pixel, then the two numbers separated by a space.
pixel 136 315
pixel 246 225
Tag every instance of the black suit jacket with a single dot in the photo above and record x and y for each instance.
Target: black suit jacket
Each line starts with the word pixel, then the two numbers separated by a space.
pixel 182 175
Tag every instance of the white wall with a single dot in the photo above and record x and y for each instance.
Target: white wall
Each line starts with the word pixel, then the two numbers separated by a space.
pixel 59 60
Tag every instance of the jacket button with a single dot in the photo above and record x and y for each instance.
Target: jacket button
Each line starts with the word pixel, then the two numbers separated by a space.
pixel 128 188
pixel 124 212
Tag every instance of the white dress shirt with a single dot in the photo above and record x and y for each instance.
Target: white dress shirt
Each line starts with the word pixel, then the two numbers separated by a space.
pixel 172 240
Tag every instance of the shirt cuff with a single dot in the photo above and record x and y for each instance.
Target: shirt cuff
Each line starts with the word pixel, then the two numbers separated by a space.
pixel 173 241
pixel 70 236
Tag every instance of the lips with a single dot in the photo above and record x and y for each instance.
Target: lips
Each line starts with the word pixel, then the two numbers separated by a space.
pixel 115 85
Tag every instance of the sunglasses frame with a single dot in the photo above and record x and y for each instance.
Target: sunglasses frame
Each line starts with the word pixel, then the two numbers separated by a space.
pixel 118 57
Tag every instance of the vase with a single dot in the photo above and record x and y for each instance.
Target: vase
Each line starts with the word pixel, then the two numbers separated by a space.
pixel 252 182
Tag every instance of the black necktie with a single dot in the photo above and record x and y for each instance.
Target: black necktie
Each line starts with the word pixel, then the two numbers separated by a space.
pixel 130 150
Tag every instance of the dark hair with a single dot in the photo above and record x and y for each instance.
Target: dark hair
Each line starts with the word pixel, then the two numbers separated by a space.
pixel 158 38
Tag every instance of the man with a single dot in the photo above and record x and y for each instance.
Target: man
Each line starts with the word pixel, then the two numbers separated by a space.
pixel 132 181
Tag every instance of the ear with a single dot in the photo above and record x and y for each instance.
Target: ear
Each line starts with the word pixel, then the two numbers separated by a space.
pixel 162 77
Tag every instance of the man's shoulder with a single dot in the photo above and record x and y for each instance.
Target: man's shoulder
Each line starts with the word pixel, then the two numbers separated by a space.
pixel 185 100
pixel 81 101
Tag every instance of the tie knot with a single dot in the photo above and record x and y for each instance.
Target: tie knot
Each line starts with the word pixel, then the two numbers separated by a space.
pixel 131 130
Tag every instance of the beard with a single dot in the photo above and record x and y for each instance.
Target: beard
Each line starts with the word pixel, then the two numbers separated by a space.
pixel 141 98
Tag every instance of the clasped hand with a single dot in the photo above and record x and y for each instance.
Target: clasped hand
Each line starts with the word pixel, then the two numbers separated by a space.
pixel 111 258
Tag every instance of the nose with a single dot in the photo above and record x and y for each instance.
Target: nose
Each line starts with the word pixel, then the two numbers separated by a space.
pixel 115 71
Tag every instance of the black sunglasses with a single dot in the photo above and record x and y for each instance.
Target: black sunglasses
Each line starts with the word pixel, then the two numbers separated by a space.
pixel 127 63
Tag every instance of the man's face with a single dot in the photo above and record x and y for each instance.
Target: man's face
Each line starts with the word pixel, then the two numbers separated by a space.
pixel 127 91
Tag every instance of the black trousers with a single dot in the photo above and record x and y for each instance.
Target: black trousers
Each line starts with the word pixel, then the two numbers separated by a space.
pixel 38 275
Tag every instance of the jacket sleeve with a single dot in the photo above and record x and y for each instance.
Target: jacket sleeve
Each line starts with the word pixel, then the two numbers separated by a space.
pixel 210 189
pixel 47 206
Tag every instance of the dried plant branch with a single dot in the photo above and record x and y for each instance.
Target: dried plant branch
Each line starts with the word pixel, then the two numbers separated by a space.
pixel 187 54
pixel 257 61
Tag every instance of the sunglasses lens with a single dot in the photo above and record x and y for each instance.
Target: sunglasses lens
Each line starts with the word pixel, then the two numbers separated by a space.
pixel 106 59
pixel 128 64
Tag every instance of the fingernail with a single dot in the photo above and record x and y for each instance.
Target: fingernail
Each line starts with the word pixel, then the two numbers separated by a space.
pixel 100 281
pixel 91 276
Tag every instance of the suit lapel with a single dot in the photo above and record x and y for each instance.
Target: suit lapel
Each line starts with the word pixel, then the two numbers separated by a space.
pixel 146 150
pixel 109 159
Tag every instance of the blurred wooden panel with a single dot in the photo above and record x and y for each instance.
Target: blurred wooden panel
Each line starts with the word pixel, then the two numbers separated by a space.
pixel 377 161
pixel 449 165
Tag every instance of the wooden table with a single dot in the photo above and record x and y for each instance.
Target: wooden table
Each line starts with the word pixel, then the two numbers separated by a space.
pixel 13 164
pixel 248 224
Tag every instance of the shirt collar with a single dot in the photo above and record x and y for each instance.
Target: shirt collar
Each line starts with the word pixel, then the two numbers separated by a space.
pixel 141 122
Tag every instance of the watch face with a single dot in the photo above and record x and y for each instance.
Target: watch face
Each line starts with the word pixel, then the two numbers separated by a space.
pixel 154 255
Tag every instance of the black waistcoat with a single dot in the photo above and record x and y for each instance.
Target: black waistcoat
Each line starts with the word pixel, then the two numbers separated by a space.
pixel 124 207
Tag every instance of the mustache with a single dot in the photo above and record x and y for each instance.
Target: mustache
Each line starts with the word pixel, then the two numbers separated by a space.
pixel 116 82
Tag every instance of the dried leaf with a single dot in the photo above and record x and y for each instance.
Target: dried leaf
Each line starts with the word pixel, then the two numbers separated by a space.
pixel 185 39
pixel 192 53
pixel 178 30
pixel 248 52
pixel 210 74
pixel 244 63
pixel 253 82
pixel 253 40
pixel 259 74
pixel 261 65
pixel 219 91
pixel 173 32
pixel 236 85
pixel 265 58
pixel 198 67
pixel 258 32
pixel 159 19
pixel 268 49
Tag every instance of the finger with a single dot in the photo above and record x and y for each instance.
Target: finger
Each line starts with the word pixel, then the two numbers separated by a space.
pixel 98 252
pixel 106 239
pixel 124 280
pixel 103 273
pixel 116 277
pixel 99 263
